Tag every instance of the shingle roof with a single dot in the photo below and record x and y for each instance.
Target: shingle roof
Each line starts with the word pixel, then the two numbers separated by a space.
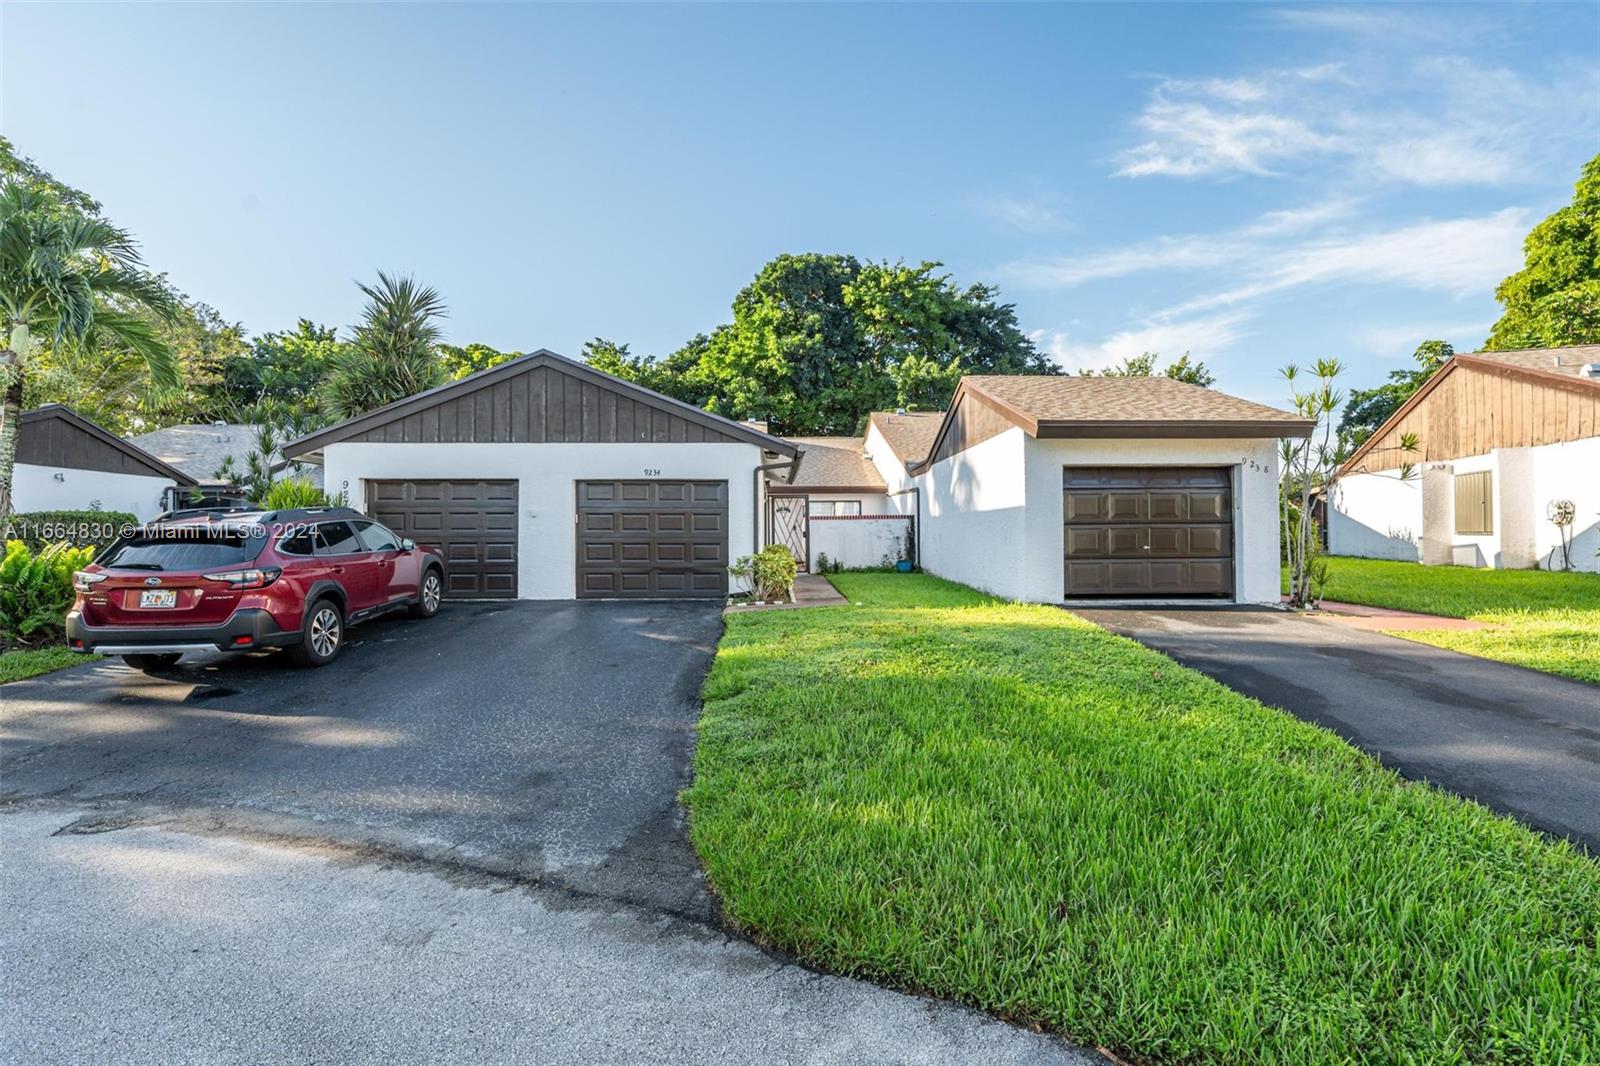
pixel 836 463
pixel 910 435
pixel 1063 399
pixel 199 450
pixel 1570 360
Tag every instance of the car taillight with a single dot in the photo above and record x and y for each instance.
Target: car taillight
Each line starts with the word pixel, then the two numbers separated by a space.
pixel 247 579
pixel 83 580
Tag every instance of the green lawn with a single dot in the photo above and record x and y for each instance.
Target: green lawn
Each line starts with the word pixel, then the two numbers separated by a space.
pixel 1535 618
pixel 17 665
pixel 1006 805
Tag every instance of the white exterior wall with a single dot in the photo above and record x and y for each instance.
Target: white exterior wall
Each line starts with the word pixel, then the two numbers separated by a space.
pixel 36 489
pixel 892 470
pixel 860 542
pixel 1524 482
pixel 1376 516
pixel 973 521
pixel 1254 462
pixel 546 493
pixel 1568 471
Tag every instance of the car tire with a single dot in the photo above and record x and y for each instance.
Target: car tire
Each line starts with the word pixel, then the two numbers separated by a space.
pixel 429 593
pixel 164 661
pixel 322 637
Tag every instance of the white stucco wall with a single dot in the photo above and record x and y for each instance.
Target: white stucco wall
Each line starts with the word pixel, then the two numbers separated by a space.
pixel 547 497
pixel 1376 516
pixel 973 522
pixel 892 470
pixel 860 542
pixel 1568 471
pixel 36 489
pixel 1524 482
pixel 1254 463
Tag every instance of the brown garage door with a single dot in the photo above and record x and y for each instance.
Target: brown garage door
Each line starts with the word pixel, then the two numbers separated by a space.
pixel 1148 531
pixel 652 539
pixel 473 522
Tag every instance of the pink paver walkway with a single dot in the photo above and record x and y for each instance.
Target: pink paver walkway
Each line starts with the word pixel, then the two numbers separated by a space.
pixel 1361 616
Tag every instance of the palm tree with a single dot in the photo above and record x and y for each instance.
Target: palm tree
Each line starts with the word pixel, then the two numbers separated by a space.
pixel 62 274
pixel 395 353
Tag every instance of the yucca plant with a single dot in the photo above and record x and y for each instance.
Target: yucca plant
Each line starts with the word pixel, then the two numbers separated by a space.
pixel 395 353
pixel 36 590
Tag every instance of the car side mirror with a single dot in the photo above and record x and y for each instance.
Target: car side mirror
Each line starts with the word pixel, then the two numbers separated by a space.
pixel 407 544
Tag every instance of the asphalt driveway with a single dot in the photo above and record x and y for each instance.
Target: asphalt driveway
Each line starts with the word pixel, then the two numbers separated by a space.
pixel 459 840
pixel 1521 742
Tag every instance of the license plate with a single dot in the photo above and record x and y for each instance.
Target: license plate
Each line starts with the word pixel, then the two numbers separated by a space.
pixel 158 598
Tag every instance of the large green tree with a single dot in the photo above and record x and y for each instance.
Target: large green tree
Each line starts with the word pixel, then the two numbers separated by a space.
pixel 67 280
pixel 1554 300
pixel 818 341
pixel 395 352
pixel 1144 366
pixel 459 360
pixel 1370 408
pixel 278 381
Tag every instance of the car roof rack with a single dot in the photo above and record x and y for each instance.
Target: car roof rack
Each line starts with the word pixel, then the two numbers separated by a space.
pixel 307 514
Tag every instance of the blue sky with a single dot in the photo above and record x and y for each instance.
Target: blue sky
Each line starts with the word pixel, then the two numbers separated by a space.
pixel 1255 184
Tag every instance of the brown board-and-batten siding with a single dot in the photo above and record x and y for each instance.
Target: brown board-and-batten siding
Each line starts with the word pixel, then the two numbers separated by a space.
pixel 972 422
pixel 543 405
pixel 56 436
pixel 1477 407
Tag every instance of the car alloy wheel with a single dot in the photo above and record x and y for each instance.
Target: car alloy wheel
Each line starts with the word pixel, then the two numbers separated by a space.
pixel 325 631
pixel 430 592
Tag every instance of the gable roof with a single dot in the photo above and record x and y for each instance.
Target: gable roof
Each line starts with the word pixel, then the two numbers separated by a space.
pixel 909 434
pixel 1535 366
pixel 1052 406
pixel 56 435
pixel 405 418
pixel 1568 361
pixel 833 464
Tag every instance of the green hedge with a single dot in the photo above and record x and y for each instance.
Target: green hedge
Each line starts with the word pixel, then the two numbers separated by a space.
pixel 81 529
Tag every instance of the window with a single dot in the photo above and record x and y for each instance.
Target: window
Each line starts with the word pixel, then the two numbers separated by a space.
pixel 835 508
pixel 183 547
pixel 377 538
pixel 296 543
pixel 337 538
pixel 1475 503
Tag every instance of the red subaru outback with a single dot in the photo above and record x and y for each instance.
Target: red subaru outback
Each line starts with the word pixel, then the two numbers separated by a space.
pixel 234 581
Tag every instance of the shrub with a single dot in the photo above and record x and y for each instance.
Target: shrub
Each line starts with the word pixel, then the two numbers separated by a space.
pixel 767 575
pixel 36 590
pixel 80 529
pixel 296 492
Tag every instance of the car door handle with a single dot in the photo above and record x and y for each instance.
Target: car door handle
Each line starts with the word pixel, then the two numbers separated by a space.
pixel 338 569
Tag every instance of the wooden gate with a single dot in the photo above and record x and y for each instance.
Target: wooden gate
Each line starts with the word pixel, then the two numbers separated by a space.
pixel 789 524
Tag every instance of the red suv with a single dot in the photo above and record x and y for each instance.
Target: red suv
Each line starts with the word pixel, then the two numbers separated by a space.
pixel 234 581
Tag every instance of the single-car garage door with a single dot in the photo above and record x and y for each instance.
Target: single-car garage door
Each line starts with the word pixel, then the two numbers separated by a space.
pixel 652 539
pixel 474 523
pixel 1148 531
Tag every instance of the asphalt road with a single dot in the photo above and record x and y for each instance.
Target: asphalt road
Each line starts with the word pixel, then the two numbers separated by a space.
pixel 1521 742
pixel 460 841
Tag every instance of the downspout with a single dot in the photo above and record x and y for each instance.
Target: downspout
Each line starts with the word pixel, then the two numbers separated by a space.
pixel 916 521
pixel 755 527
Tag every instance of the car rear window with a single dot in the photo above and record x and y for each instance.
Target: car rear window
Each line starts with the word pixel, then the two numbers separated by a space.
pixel 183 548
pixel 337 538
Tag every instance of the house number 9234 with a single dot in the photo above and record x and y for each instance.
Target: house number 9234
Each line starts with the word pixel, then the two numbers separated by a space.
pixel 648 472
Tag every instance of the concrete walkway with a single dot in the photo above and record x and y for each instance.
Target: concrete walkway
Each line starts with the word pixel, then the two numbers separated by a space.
pixel 1521 742
pixel 810 590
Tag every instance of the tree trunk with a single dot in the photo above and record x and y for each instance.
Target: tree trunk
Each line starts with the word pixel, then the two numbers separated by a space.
pixel 10 418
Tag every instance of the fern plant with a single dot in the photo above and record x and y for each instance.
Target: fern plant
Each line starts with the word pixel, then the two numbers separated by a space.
pixel 36 590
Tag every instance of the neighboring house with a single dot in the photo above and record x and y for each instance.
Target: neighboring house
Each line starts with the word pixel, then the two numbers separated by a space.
pixel 1047 489
pixel 836 506
pixel 1499 437
pixel 200 450
pixel 542 478
pixel 67 463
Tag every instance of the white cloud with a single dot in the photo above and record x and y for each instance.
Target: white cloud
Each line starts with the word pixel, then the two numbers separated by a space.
pixel 1021 213
pixel 1188 138
pixel 1433 120
pixel 1204 336
pixel 1456 256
